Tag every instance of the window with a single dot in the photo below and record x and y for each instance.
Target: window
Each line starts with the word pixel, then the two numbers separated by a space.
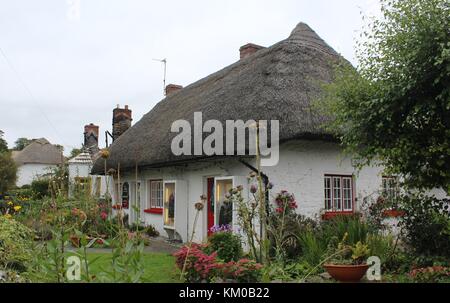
pixel 338 193
pixel 155 196
pixel 390 188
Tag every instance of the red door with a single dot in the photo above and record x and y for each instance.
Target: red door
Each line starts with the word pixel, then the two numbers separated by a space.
pixel 210 206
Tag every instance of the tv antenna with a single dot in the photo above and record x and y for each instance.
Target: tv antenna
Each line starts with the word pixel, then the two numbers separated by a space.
pixel 164 61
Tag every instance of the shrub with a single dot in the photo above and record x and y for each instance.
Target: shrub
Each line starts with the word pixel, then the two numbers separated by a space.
pixel 312 246
pixel 202 266
pixel 294 225
pixel 433 274
pixel 243 271
pixel 15 244
pixel 151 231
pixel 226 244
pixel 40 188
pixel 427 224
pixel 199 265
pixel 352 225
pixel 8 172
pixel 287 272
pixel 381 246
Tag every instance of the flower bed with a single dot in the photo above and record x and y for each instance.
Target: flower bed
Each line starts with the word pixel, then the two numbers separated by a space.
pixel 200 266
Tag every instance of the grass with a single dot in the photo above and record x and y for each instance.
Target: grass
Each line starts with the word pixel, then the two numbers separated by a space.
pixel 159 267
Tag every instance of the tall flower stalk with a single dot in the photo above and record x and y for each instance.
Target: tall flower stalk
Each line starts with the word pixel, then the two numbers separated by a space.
pixel 198 206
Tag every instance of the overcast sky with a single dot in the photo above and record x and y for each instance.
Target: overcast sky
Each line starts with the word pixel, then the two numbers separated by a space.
pixel 65 68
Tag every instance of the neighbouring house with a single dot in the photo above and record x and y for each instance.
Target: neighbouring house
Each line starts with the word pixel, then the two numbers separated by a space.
pixel 37 160
pixel 279 82
pixel 80 166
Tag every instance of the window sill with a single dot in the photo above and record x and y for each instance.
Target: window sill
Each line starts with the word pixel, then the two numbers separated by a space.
pixel 157 211
pixel 331 214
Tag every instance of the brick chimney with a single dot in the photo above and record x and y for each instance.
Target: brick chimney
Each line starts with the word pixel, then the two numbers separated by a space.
pixel 249 49
pixel 91 137
pixel 171 88
pixel 121 121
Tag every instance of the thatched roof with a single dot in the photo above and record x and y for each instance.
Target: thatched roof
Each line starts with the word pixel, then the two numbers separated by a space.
pixel 275 83
pixel 40 151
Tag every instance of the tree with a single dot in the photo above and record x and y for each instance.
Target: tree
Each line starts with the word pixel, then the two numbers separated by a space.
pixel 75 152
pixel 395 108
pixel 21 143
pixel 8 168
pixel 3 143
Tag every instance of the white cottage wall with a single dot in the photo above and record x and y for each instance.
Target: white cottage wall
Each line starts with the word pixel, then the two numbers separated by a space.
pixel 26 173
pixel 301 170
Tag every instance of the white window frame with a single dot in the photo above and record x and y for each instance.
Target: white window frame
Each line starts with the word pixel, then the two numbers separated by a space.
pixel 155 194
pixel 389 191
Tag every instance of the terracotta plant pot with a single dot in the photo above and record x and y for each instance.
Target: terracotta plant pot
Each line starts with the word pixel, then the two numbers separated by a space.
pixel 346 273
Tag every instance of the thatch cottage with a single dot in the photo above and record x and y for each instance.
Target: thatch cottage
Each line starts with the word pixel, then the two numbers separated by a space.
pixel 37 160
pixel 280 83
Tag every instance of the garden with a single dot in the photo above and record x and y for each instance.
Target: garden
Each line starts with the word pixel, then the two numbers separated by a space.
pixel 41 229
pixel 342 248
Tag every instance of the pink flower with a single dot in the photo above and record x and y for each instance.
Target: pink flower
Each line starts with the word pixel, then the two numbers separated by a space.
pixel 103 215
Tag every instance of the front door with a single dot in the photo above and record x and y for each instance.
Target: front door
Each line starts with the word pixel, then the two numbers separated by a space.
pixel 210 206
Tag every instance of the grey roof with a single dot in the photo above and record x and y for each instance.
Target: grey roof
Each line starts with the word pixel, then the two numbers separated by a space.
pixel 40 151
pixel 275 83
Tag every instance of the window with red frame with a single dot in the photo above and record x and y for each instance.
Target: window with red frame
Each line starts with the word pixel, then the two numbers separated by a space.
pixel 338 193
pixel 155 197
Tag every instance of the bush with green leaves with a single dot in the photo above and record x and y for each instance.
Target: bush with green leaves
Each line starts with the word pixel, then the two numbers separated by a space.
pixel 354 225
pixel 394 109
pixel 8 172
pixel 426 224
pixel 227 245
pixel 15 244
pixel 40 188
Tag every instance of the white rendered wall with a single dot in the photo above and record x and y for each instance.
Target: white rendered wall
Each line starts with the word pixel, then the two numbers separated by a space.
pixel 301 170
pixel 26 173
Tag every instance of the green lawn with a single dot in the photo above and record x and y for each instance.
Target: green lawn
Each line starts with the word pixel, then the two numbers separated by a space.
pixel 159 267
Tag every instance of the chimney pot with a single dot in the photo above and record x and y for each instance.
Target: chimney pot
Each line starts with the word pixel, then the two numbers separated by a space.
pixel 249 49
pixel 171 88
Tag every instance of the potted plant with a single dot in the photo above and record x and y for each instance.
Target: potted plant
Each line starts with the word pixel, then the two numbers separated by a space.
pixel 347 263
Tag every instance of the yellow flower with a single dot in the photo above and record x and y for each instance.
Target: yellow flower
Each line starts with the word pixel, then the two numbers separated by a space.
pixel 17 207
pixel 10 203
pixel 8 216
